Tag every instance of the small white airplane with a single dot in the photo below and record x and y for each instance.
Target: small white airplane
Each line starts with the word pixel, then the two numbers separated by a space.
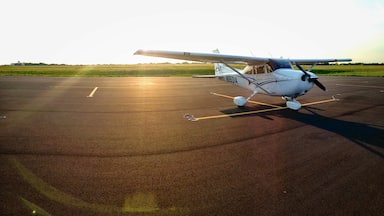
pixel 271 76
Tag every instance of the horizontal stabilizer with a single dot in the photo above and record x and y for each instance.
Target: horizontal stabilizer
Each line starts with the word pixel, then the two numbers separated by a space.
pixel 203 76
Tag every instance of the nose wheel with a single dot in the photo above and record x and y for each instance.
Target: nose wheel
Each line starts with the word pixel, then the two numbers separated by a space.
pixel 292 103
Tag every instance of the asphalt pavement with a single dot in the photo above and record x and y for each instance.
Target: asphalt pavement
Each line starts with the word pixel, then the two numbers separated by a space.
pixel 125 146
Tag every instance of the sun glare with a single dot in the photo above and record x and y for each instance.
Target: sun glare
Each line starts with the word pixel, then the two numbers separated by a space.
pixel 145 82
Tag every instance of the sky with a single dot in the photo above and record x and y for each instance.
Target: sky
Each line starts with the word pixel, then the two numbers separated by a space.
pixel 110 31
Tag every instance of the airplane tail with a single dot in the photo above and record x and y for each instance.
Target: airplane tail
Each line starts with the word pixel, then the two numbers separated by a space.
pixel 220 68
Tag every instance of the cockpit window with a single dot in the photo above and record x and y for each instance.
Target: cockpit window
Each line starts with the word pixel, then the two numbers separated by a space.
pixel 258 69
pixel 280 63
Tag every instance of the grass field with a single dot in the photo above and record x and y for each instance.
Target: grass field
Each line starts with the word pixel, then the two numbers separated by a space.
pixel 350 70
pixel 166 70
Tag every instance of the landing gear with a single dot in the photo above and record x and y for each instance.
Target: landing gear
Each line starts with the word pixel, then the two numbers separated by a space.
pixel 292 103
pixel 241 101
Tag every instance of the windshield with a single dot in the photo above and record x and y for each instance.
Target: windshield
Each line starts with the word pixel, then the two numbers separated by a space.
pixel 279 63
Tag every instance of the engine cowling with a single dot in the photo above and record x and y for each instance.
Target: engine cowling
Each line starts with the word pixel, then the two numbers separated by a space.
pixel 240 101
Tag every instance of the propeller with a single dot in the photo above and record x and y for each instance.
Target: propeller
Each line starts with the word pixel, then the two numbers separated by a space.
pixel 314 80
pixel 321 86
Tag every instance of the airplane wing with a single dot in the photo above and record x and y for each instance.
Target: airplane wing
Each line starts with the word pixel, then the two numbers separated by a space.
pixel 229 59
pixel 317 61
pixel 204 57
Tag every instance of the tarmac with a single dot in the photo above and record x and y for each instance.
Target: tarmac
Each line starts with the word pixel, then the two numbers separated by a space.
pixel 176 146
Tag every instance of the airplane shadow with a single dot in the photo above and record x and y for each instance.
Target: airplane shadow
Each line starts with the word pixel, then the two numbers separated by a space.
pixel 364 135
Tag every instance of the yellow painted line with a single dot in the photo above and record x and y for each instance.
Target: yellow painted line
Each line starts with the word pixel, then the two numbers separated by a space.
pixel 57 195
pixel 137 203
pixel 319 102
pixel 141 202
pixel 93 92
pixel 363 86
pixel 250 101
pixel 239 114
pixel 192 118
pixel 35 209
pixel 265 104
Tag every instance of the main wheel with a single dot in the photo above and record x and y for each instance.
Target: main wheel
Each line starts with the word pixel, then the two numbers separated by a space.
pixel 240 101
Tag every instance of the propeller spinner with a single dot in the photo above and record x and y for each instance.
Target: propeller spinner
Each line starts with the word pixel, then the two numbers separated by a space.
pixel 311 79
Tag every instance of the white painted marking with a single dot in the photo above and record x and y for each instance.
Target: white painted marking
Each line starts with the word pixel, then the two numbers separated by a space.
pixel 93 92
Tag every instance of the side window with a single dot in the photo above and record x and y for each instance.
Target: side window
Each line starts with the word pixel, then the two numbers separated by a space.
pixel 267 68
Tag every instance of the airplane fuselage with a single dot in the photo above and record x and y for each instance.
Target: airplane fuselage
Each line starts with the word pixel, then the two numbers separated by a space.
pixel 281 82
